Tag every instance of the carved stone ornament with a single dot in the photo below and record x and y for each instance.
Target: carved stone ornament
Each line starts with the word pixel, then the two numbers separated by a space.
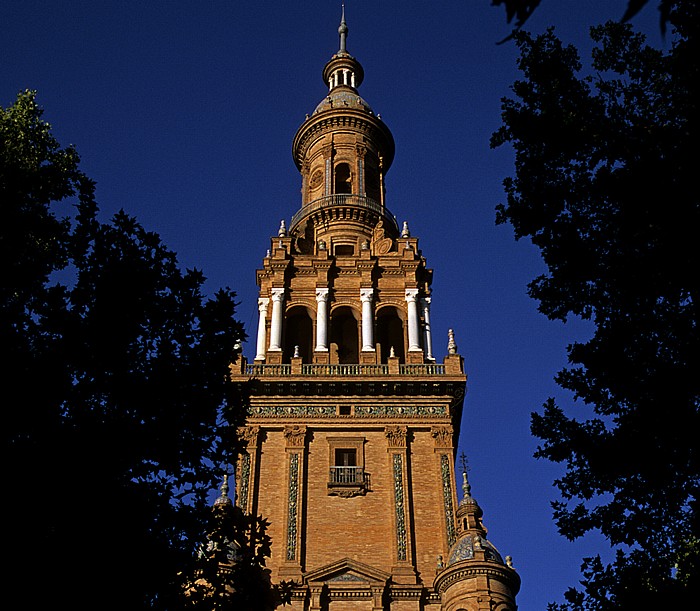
pixel 295 436
pixel 316 179
pixel 396 436
pixel 348 492
pixel 442 436
pixel 380 243
pixel 249 435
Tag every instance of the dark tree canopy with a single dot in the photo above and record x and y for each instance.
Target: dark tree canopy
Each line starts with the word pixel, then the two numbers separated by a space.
pixel 118 410
pixel 605 186
pixel 519 11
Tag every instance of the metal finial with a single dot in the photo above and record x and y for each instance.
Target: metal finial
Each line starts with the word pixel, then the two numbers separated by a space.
pixel 223 497
pixel 343 30
pixel 466 488
pixel 464 462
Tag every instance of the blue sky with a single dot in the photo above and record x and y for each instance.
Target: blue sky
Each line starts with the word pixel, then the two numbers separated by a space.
pixel 184 114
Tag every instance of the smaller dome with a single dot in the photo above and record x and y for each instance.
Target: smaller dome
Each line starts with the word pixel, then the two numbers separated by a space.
pixel 342 97
pixel 465 546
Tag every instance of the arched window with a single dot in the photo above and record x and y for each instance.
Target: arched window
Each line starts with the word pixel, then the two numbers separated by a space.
pixel 344 335
pixel 372 188
pixel 298 331
pixel 343 180
pixel 390 333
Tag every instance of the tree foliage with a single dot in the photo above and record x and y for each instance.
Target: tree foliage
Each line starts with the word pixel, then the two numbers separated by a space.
pixel 605 187
pixel 118 409
pixel 519 11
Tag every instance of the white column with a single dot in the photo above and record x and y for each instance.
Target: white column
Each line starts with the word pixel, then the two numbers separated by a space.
pixel 413 330
pixel 263 302
pixel 427 331
pixel 366 297
pixel 321 320
pixel 276 325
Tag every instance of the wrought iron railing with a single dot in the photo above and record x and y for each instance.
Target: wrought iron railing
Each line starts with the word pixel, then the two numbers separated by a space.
pixel 347 475
pixel 343 199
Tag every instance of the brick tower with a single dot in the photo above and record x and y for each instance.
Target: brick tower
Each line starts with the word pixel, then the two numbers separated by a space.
pixel 352 428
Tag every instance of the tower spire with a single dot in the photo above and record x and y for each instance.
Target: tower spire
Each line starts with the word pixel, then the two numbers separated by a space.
pixel 343 31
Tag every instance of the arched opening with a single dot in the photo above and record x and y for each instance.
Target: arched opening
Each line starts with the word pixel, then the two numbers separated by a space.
pixel 344 335
pixel 372 188
pixel 343 180
pixel 390 334
pixel 298 331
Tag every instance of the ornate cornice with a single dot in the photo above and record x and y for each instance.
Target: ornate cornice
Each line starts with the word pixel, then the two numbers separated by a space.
pixel 331 120
pixel 470 569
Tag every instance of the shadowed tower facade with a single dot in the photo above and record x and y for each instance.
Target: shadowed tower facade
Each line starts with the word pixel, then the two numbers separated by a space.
pixel 353 423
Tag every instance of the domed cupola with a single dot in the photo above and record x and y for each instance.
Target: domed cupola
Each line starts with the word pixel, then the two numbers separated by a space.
pixel 343 151
pixel 473 557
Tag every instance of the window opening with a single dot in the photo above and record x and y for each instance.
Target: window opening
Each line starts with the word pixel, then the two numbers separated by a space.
pixel 344 250
pixel 343 180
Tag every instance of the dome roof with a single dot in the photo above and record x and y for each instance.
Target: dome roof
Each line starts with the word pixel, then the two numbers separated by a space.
pixel 465 546
pixel 343 97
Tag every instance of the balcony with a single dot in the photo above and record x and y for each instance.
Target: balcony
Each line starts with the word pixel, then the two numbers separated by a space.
pixel 346 475
pixel 345 370
pixel 347 481
pixel 343 200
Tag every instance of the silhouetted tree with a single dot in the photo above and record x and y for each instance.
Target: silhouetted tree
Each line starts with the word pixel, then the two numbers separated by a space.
pixel 118 410
pixel 230 573
pixel 605 186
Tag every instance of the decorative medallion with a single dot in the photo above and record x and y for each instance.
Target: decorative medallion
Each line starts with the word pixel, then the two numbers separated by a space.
pixel 316 179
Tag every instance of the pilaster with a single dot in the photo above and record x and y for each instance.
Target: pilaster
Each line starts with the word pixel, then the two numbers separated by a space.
pixel 295 439
pixel 403 570
pixel 246 468
pixel 444 454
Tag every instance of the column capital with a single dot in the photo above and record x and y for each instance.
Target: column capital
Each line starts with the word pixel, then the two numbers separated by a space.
pixel 396 436
pixel 322 294
pixel 426 301
pixel 412 295
pixel 277 294
pixel 263 303
pixel 249 435
pixel 295 436
pixel 366 295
